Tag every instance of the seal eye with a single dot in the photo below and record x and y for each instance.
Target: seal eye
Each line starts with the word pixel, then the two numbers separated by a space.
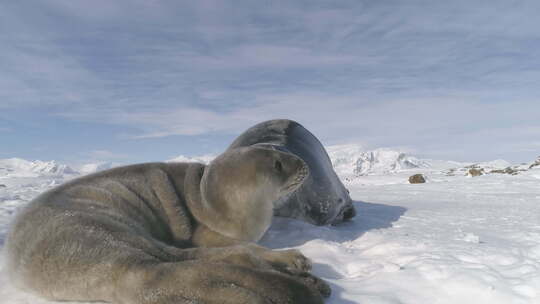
pixel 278 166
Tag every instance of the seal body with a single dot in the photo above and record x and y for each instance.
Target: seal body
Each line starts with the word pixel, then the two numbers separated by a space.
pixel 147 233
pixel 322 198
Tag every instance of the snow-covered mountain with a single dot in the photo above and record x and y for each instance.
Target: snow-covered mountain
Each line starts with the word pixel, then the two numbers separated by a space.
pixel 352 160
pixel 494 164
pixel 21 168
pixel 384 161
pixel 94 167
pixel 343 157
pixel 17 167
pixel 205 159
pixel 349 160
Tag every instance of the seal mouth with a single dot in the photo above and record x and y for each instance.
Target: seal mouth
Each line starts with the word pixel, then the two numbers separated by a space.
pixel 299 178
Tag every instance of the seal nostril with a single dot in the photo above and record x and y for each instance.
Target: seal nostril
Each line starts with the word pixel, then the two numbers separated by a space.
pixel 340 200
pixel 349 214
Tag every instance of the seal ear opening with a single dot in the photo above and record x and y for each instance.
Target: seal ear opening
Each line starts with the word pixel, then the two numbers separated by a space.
pixel 278 166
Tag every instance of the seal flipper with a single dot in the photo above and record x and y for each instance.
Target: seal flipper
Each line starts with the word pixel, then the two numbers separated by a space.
pixel 213 283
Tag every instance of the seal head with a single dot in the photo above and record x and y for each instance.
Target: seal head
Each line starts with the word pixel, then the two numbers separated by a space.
pixel 234 195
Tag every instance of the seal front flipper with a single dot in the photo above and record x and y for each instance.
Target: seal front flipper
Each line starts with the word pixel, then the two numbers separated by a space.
pixel 208 201
pixel 209 198
pixel 211 283
pixel 291 261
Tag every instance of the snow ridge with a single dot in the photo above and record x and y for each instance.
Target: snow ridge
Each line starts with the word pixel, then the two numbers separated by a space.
pixel 205 159
pixel 352 160
pixel 383 161
pixel 17 167
pixel 95 167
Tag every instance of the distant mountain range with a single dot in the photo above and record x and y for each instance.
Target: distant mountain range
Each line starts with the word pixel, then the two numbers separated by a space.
pixel 17 167
pixel 348 160
pixel 353 160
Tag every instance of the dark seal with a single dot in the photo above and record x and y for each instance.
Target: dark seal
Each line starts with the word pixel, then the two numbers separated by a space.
pixel 321 199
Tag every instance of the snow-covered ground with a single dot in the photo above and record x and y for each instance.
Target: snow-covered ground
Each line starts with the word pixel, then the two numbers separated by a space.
pixel 454 239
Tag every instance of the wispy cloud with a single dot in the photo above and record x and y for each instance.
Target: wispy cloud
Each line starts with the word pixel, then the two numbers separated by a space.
pixel 106 154
pixel 392 73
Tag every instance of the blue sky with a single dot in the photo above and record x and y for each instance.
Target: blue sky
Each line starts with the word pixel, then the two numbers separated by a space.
pixel 132 81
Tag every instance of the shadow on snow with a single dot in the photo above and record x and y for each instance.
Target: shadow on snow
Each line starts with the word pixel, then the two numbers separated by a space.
pixel 286 232
pixel 369 216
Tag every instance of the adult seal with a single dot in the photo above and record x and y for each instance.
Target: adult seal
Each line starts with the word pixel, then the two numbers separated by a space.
pixel 163 233
pixel 321 199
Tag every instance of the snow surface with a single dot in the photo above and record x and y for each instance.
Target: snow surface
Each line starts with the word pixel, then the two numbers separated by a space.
pixel 454 239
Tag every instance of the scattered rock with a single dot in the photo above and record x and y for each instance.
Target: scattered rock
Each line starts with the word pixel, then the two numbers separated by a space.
pixel 417 179
pixel 451 172
pixel 507 170
pixel 475 172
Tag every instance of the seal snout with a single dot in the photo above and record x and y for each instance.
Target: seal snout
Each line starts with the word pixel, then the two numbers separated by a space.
pixel 345 214
pixel 349 213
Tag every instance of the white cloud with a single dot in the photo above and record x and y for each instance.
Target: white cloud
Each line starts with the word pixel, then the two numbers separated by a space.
pixel 429 126
pixel 390 73
pixel 105 155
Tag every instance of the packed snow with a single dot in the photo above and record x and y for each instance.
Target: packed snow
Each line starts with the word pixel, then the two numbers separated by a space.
pixel 453 239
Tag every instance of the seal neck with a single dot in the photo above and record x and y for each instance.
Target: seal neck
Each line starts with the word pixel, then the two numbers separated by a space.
pixel 200 208
pixel 235 221
pixel 192 189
